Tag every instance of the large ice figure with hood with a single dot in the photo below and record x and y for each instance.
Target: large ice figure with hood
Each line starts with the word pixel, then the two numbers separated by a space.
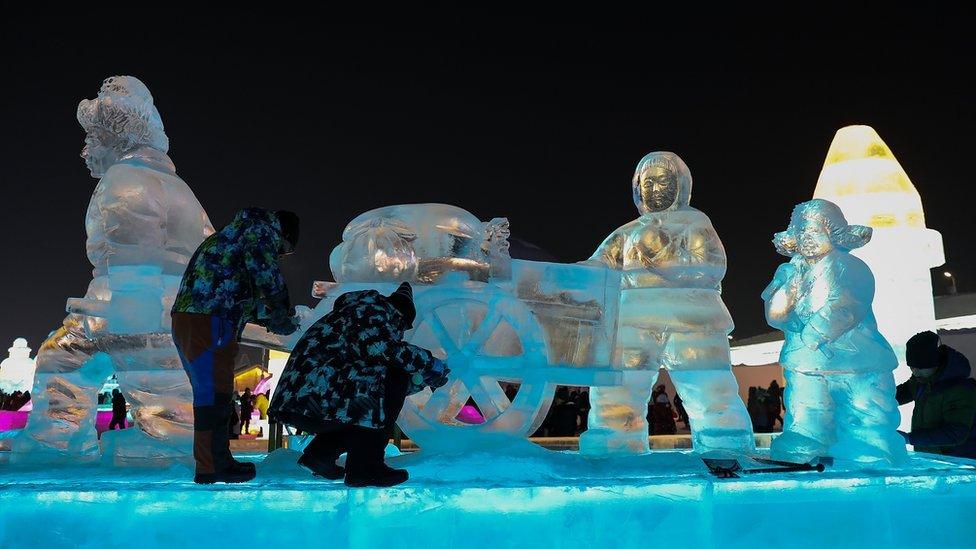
pixel 671 315
pixel 840 390
pixel 143 224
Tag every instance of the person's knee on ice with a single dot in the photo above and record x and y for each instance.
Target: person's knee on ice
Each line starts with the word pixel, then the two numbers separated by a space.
pixel 232 279
pixel 347 379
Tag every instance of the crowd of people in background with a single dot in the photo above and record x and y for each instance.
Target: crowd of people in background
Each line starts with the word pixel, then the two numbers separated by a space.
pixel 765 405
pixel 568 414
pixel 244 406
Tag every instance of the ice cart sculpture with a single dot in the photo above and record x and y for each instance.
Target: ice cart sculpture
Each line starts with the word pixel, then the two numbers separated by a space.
pixel 494 319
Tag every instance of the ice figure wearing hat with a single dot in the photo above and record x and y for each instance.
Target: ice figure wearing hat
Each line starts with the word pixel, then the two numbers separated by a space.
pixel 671 315
pixel 143 224
pixel 840 391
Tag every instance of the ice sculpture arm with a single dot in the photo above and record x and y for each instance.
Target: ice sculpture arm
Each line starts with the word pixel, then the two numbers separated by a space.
pixel 261 245
pixel 700 262
pixel 780 300
pixel 958 410
pixel 610 252
pixel 845 306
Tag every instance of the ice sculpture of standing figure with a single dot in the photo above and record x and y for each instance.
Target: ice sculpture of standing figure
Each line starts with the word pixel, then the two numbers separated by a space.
pixel 143 224
pixel 17 370
pixel 840 390
pixel 671 315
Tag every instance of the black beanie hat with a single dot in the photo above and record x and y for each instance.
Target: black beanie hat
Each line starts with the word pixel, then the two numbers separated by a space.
pixel 289 228
pixel 922 350
pixel 402 300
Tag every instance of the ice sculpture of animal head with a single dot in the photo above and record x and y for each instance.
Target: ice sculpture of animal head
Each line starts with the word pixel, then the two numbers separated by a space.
pixel 816 228
pixel 662 181
pixel 122 118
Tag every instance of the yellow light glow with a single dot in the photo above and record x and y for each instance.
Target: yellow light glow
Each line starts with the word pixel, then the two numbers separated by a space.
pixel 862 172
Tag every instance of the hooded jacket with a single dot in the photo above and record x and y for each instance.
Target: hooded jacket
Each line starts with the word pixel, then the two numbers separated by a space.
pixel 344 358
pixel 234 274
pixel 945 406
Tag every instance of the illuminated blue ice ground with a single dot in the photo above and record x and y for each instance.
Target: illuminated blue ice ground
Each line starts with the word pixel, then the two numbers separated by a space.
pixel 542 498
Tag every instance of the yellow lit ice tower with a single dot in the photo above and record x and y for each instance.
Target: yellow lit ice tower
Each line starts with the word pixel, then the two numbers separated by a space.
pixel 862 176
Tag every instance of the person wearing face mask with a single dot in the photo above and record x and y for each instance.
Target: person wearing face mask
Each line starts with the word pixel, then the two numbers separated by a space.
pixel 944 396
pixel 233 278
pixel 670 315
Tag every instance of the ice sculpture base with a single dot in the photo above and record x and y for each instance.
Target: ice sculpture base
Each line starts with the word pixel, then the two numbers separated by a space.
pixel 536 498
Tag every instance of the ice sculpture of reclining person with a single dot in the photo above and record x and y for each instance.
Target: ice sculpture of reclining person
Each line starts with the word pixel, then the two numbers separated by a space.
pixel 671 315
pixel 346 381
pixel 840 390
pixel 143 224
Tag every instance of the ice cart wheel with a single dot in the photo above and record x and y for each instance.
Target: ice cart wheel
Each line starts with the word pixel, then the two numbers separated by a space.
pixel 485 338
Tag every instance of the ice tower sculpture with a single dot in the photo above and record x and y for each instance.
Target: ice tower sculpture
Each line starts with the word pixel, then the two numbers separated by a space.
pixel 143 224
pixel 671 315
pixel 862 176
pixel 17 370
pixel 840 391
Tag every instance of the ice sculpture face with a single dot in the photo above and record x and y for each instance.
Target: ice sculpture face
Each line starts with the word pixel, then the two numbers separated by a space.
pixel 840 398
pixel 661 182
pixel 143 224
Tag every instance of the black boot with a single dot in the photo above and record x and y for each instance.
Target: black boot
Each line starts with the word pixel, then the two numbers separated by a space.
pixel 381 476
pixel 236 472
pixel 322 468
pixel 364 462
pixel 322 452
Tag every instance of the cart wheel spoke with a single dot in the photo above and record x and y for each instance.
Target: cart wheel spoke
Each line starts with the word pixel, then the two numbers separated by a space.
pixel 487 326
pixel 443 335
pixel 488 395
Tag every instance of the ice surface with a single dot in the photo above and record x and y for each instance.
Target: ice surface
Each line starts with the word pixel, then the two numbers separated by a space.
pixel 670 315
pixel 143 224
pixel 840 391
pixel 17 370
pixel 532 497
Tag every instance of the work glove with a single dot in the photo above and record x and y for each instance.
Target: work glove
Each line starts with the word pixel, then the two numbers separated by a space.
pixel 436 376
pixel 284 324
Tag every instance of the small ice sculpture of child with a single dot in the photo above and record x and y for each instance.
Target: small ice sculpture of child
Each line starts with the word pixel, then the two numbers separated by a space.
pixel 840 391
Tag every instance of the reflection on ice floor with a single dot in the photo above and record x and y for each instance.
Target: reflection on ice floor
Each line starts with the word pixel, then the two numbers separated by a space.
pixel 491 500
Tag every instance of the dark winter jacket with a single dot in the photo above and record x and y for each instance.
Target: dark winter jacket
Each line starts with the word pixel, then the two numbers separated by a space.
pixel 234 273
pixel 945 406
pixel 342 360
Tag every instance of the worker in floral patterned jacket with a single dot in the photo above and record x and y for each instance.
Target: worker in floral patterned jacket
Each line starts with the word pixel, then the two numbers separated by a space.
pixel 232 279
pixel 346 381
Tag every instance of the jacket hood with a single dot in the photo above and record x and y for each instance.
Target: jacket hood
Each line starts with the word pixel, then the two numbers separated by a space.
pixel 956 365
pixel 663 162
pixel 348 302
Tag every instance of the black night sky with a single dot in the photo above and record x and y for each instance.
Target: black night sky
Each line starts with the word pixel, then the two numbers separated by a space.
pixel 540 124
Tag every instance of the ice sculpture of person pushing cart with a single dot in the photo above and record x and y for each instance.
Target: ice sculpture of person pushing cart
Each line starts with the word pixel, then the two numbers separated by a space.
pixel 537 325
pixel 671 315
